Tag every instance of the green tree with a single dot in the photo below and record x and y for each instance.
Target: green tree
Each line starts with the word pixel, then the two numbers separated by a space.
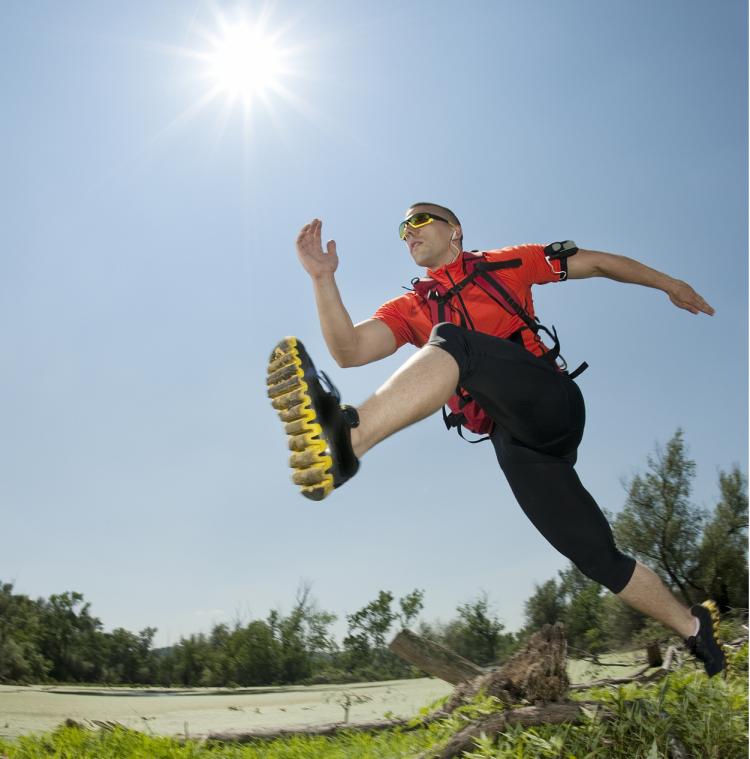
pixel 411 604
pixel 368 628
pixel 304 636
pixel 722 556
pixel 129 658
pixel 659 525
pixel 255 656
pixel 545 607
pixel 619 622
pixel 71 638
pixel 583 611
pixel 20 632
pixel 477 633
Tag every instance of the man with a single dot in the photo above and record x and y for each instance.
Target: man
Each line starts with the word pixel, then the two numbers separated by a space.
pixel 481 352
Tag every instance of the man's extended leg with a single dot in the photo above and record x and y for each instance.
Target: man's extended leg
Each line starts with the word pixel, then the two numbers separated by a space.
pixel 537 455
pixel 552 496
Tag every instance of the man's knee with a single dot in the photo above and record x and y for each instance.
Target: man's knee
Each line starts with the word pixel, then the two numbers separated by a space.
pixel 452 339
pixel 610 568
pixel 447 331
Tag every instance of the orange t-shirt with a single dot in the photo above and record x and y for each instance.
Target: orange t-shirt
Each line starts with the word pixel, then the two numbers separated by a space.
pixel 408 316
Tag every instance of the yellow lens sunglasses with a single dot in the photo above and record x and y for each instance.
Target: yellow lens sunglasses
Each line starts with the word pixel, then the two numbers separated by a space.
pixel 417 220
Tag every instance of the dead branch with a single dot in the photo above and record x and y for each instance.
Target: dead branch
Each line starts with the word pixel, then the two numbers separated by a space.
pixel 332 728
pixel 493 724
pixel 641 676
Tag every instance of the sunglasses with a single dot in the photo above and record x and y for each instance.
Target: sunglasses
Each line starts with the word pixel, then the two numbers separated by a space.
pixel 418 220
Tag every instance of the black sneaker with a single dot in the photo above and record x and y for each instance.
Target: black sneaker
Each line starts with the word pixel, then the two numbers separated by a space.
pixel 706 645
pixel 319 427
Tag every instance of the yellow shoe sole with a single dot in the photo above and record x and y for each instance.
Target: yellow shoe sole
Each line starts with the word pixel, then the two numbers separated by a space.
pixel 289 393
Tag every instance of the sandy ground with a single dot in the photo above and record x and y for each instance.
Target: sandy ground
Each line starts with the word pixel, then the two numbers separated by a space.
pixel 199 711
pixel 35 709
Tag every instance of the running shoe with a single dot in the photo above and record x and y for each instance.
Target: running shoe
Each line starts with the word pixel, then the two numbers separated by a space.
pixel 318 426
pixel 705 645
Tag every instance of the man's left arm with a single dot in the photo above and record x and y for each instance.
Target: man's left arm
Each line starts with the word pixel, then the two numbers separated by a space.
pixel 593 263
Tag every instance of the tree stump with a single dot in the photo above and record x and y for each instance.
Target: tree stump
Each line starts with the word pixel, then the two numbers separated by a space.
pixel 536 673
pixel 653 654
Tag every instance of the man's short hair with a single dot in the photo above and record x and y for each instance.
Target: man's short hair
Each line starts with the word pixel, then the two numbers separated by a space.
pixel 441 211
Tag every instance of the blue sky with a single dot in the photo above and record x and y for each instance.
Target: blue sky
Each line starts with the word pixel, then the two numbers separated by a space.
pixel 147 268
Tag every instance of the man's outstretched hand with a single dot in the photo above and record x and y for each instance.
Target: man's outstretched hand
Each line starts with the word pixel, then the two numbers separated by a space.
pixel 683 296
pixel 316 262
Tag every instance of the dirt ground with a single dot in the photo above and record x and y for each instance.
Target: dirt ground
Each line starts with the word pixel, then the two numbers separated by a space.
pixel 199 711
pixel 34 709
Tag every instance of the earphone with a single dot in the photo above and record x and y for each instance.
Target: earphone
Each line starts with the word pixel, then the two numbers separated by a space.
pixel 458 251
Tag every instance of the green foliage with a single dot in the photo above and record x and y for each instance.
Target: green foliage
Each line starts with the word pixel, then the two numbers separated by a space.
pixel 69 638
pixel 659 525
pixel 545 606
pixel 74 743
pixel 686 712
pixel 20 633
pixel 722 567
pixel 576 601
pixel 620 623
pixel 583 613
pixel 476 633
pixel 699 555
pixel 365 645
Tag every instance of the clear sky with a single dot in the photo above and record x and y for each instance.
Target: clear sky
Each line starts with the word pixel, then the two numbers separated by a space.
pixel 147 268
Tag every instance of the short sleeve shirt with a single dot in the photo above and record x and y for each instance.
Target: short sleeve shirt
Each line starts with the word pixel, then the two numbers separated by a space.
pixel 408 316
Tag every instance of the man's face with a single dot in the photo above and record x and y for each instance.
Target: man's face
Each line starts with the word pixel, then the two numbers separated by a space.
pixel 430 245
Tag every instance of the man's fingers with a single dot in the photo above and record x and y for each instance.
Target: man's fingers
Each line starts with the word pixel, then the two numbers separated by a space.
pixel 331 247
pixel 685 297
pixel 305 233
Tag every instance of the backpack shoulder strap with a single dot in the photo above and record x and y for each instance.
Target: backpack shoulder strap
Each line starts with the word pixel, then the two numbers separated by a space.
pixel 431 293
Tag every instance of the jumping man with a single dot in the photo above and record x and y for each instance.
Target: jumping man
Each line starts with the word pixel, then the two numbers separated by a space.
pixel 480 352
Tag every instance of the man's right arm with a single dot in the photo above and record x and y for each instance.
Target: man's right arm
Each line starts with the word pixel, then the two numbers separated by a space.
pixel 349 344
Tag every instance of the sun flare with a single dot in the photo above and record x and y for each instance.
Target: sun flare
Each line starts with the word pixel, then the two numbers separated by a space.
pixel 244 62
pixel 245 65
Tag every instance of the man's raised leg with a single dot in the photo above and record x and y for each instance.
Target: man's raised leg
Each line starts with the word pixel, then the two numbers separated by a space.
pixel 419 388
pixel 326 437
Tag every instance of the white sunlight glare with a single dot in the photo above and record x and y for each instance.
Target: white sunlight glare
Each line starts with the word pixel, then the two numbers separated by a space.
pixel 244 62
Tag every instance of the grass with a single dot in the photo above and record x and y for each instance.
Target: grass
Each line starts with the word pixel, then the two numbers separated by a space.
pixel 706 718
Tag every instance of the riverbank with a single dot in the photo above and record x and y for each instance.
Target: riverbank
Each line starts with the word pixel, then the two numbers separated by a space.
pixel 35 709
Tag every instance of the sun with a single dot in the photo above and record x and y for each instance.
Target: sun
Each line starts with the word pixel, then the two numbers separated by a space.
pixel 244 62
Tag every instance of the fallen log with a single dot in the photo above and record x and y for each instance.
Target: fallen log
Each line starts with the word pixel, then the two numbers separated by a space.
pixel 434 659
pixel 493 724
pixel 332 728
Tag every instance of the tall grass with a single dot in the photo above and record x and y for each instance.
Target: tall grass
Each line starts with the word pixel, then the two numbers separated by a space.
pixel 686 712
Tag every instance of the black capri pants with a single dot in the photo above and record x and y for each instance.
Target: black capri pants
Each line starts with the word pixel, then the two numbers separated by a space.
pixel 539 418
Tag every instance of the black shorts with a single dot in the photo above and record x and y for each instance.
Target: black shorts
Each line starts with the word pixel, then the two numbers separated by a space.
pixel 539 417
